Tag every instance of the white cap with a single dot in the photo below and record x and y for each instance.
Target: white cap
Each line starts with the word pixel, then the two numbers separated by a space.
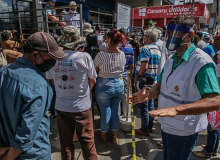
pixel 72 3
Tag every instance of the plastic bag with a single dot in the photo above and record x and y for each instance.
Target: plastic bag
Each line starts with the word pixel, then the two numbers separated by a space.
pixel 214 120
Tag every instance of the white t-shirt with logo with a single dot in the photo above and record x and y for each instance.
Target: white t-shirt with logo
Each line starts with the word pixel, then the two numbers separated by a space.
pixel 71 81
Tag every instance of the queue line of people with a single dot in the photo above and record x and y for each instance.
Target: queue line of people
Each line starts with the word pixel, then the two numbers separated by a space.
pixel 188 77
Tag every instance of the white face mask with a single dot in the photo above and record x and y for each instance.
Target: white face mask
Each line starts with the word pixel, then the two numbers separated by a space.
pixel 71 11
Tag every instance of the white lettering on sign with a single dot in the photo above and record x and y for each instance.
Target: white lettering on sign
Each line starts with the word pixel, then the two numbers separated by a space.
pixel 152 11
pixel 171 10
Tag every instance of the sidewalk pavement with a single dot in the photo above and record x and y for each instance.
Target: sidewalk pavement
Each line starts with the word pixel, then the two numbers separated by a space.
pixel 145 148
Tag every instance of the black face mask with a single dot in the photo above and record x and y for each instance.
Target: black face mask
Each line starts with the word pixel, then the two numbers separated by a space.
pixel 46 65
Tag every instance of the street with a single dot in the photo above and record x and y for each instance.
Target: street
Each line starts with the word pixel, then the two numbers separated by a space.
pixel 107 151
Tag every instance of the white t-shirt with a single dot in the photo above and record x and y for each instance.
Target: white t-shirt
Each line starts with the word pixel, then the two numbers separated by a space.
pixel 218 70
pixel 71 81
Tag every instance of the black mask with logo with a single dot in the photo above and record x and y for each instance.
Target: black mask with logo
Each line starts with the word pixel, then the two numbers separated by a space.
pixel 46 65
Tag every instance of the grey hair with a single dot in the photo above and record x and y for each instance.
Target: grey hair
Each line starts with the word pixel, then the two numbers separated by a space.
pixel 152 34
pixel 5 35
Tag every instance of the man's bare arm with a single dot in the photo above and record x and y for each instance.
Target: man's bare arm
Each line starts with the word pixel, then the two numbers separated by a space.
pixel 92 83
pixel 12 154
pixel 210 102
pixel 144 67
pixel 53 18
pixel 11 54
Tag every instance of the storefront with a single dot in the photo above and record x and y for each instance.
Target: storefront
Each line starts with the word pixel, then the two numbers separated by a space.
pixel 162 15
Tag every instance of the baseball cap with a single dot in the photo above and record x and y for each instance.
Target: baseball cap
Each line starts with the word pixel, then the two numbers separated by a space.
pixel 53 0
pixel 41 41
pixel 217 37
pixel 72 3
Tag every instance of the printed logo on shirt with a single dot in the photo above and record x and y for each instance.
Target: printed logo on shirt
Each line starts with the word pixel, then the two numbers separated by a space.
pixel 72 78
pixel 71 86
pixel 57 77
pixel 57 69
pixel 66 62
pixel 72 70
pixel 64 77
pixel 176 89
pixel 64 86
pixel 64 69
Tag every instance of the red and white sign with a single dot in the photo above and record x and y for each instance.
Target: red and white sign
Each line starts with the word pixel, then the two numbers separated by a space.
pixel 169 11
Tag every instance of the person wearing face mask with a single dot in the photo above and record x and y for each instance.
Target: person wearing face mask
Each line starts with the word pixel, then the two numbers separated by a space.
pixel 147 68
pixel 72 17
pixel 74 79
pixel 212 49
pixel 25 99
pixel 188 77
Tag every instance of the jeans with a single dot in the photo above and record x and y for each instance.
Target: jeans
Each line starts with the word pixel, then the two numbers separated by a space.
pixel 108 95
pixel 178 147
pixel 146 119
pixel 212 142
pixel 82 122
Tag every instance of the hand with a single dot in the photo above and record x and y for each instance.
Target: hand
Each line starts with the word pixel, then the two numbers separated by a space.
pixel 166 112
pixel 138 97
pixel 62 24
pixel 22 37
pixel 3 151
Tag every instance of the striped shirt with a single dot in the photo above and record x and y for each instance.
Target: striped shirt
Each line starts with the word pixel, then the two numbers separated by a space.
pixel 151 54
pixel 111 65
pixel 129 55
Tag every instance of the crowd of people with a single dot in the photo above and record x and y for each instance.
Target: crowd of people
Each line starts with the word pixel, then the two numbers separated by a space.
pixel 67 75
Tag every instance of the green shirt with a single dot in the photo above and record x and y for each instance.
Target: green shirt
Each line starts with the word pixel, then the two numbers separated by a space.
pixel 206 78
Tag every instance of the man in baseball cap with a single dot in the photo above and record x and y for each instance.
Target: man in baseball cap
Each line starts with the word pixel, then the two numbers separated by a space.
pixel 25 99
pixel 74 79
pixel 213 48
pixel 72 17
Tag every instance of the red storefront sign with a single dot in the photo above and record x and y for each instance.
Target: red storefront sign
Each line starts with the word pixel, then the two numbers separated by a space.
pixel 169 11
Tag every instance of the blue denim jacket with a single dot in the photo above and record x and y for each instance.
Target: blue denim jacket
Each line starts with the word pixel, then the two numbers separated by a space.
pixel 25 98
